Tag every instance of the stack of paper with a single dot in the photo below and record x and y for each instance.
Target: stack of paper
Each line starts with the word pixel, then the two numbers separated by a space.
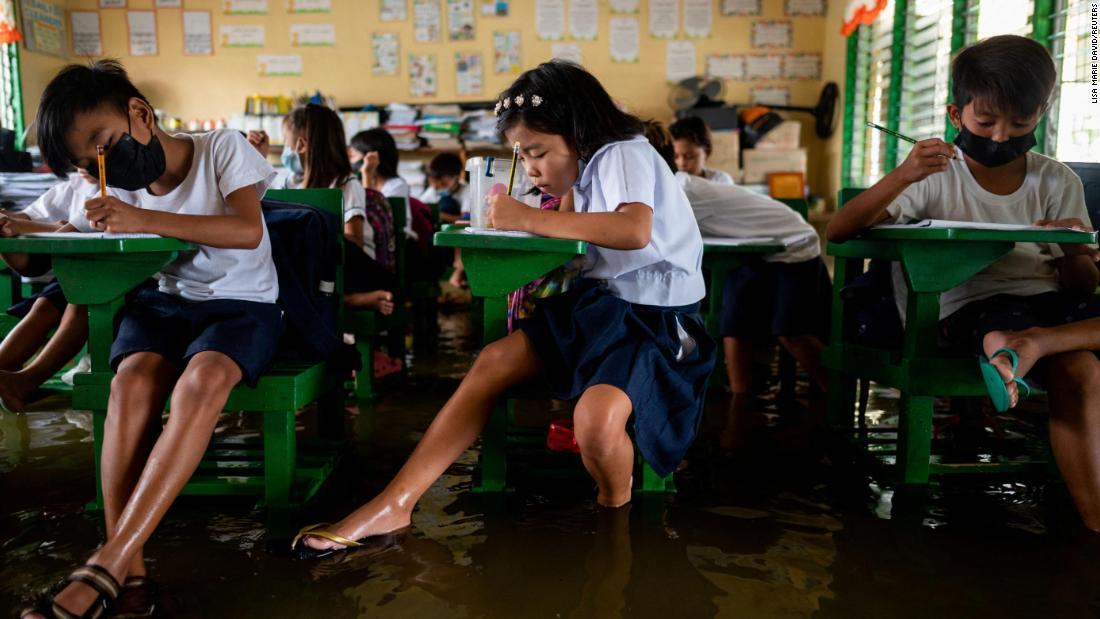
pixel 19 189
pixel 413 173
pixel 480 130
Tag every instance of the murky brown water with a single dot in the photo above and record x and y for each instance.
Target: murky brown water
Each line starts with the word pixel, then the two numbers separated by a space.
pixel 773 531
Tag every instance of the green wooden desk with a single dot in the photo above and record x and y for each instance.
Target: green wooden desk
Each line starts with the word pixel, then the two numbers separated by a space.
pixel 933 260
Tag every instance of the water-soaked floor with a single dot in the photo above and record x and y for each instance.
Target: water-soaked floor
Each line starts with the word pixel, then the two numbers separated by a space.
pixel 774 530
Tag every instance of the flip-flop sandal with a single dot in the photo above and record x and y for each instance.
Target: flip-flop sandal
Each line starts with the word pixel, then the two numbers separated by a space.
pixel 138 598
pixel 995 385
pixel 92 575
pixel 302 551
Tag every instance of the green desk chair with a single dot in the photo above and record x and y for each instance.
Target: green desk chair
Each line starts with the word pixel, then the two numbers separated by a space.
pixel 270 468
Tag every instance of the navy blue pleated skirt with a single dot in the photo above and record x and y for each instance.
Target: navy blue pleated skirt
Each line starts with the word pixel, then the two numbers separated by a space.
pixel 587 336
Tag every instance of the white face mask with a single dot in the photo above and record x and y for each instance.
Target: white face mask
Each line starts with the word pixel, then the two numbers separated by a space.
pixel 292 161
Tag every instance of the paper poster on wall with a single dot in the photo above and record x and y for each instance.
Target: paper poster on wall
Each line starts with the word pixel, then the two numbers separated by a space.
pixel 142 28
pixel 279 65
pixel 168 4
pixel 567 51
pixel 770 95
pixel 813 8
pixel 468 74
pixel 624 6
pixel 494 8
pixel 739 7
pixel 309 6
pixel 422 78
pixel 394 10
pixel 112 4
pixel 87 39
pixel 312 35
pixel 506 52
pixel 698 19
pixel 198 34
pixel 726 66
pixel 241 36
pixel 426 21
pixel 625 39
pixel 763 67
pixel 44 27
pixel 387 50
pixel 245 7
pixel 584 19
pixel 802 66
pixel 460 20
pixel 550 19
pixel 664 18
pixel 679 60
pixel 771 33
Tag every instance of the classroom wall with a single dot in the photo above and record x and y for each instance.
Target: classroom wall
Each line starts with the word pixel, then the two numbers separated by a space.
pixel 36 70
pixel 216 86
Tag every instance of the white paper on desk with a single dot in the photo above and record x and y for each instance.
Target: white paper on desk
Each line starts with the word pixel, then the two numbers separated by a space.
pixel 739 241
pixel 971 225
pixel 90 235
pixel 495 232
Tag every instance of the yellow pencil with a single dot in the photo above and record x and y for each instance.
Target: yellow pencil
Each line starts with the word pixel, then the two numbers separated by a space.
pixel 101 158
pixel 512 171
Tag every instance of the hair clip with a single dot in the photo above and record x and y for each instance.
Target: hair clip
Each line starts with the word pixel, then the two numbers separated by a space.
pixel 496 110
pixel 536 100
pixel 507 103
pixel 519 100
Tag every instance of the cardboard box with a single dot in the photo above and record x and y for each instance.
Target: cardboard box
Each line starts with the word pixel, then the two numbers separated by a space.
pixel 786 136
pixel 725 152
pixel 758 162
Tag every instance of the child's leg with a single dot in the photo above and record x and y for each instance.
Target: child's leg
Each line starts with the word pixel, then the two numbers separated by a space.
pixel 138 393
pixel 16 387
pixel 1073 379
pixel 1038 342
pixel 197 399
pixel 806 350
pixel 29 335
pixel 738 355
pixel 500 365
pixel 599 421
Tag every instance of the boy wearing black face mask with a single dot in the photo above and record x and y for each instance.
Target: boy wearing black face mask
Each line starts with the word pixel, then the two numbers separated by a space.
pixel 1037 302
pixel 209 321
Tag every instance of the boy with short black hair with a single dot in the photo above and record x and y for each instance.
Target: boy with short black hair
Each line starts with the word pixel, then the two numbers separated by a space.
pixel 1034 304
pixel 208 322
pixel 445 187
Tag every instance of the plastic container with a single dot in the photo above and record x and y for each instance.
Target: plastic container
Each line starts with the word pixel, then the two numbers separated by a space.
pixel 488 171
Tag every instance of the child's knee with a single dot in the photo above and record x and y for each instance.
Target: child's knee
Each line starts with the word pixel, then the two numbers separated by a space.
pixel 43 309
pixel 598 433
pixel 502 358
pixel 1075 374
pixel 208 378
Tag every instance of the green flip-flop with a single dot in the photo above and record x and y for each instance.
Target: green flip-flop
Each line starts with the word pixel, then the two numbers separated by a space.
pixel 995 385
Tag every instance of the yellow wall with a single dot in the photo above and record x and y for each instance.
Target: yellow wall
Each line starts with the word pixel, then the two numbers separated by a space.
pixel 36 71
pixel 216 86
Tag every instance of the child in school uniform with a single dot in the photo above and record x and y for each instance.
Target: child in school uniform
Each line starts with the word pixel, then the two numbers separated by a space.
pixel 47 310
pixel 692 144
pixel 315 157
pixel 209 320
pixel 375 155
pixel 785 295
pixel 625 338
pixel 1032 313
pixel 446 188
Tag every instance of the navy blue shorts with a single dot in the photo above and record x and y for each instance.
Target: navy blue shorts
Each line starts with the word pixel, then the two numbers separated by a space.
pixel 762 299
pixel 1006 312
pixel 52 293
pixel 177 329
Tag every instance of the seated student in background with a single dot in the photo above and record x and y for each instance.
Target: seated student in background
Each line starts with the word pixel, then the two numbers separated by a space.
pixel 209 321
pixel 47 310
pixel 315 157
pixel 446 188
pixel 375 154
pixel 785 295
pixel 692 145
pixel 1030 309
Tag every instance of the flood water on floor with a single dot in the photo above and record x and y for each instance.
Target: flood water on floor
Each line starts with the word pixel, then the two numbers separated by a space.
pixel 778 528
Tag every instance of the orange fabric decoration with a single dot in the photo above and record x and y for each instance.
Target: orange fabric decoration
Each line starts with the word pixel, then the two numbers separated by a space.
pixel 860 12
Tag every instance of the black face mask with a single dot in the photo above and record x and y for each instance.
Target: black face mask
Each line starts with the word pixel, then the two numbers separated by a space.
pixel 993 154
pixel 131 165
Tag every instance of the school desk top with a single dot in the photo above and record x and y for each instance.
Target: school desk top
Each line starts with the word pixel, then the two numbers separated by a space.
pixel 497 263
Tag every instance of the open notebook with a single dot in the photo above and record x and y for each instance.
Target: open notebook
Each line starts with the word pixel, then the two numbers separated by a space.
pixel 91 235
pixel 969 225
pixel 495 232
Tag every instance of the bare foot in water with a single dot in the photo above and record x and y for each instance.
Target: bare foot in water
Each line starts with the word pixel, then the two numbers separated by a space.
pixel 380 301
pixel 374 518
pixel 1026 343
pixel 14 391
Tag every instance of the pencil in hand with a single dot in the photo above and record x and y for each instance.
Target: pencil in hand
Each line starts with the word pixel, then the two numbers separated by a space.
pixel 101 160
